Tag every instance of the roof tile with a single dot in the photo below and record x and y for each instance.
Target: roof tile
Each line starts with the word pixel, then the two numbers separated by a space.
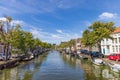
pixel 117 30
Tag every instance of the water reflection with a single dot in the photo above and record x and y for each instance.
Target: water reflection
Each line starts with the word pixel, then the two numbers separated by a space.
pixel 91 71
pixel 23 72
pixel 56 66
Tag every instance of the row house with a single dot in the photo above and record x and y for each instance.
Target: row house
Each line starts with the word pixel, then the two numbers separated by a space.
pixel 77 45
pixel 73 47
pixel 111 46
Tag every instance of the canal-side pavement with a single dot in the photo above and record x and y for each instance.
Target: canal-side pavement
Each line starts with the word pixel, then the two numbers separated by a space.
pixel 106 60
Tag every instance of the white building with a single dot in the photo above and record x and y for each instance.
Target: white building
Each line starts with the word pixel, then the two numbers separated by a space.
pixel 78 43
pixel 109 46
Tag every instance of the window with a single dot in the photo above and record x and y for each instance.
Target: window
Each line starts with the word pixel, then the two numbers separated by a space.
pixel 116 48
pixel 79 45
pixel 112 41
pixel 115 40
pixel 103 41
pixel 119 39
pixel 113 49
pixel 119 48
pixel 106 39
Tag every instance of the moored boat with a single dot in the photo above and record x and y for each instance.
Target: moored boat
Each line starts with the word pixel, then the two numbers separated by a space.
pixel 98 61
pixel 31 57
pixel 83 57
pixel 114 67
pixel 28 58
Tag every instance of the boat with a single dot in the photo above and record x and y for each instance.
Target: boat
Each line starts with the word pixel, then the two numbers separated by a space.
pixel 31 57
pixel 28 58
pixel 115 67
pixel 83 57
pixel 98 61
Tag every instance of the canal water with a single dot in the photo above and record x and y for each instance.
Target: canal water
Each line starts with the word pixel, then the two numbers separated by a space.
pixel 58 66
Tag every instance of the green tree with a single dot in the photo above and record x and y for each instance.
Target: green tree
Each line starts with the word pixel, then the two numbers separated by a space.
pixel 18 40
pixel 5 35
pixel 14 38
pixel 45 45
pixel 63 45
pixel 97 32
pixel 86 39
pixel 71 43
pixel 28 41
pixel 37 42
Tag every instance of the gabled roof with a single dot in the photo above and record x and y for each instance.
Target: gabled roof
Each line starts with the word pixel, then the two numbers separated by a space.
pixel 117 30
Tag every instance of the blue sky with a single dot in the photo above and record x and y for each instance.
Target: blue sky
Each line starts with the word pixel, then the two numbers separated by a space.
pixel 54 21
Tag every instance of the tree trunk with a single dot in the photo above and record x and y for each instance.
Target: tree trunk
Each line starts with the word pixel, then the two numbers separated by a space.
pixel 99 47
pixel 5 52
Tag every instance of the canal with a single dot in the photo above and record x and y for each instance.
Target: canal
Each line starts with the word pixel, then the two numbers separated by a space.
pixel 56 66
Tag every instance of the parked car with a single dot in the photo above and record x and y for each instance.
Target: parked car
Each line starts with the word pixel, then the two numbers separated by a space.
pixel 82 51
pixel 95 54
pixel 85 51
pixel 90 53
pixel 114 57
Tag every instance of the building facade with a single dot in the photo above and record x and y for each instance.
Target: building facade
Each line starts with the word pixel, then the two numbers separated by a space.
pixel 78 44
pixel 111 46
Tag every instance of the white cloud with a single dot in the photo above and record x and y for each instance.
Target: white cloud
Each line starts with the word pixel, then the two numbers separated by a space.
pixel 64 4
pixel 56 37
pixel 3 19
pixel 25 26
pixel 46 36
pixel 107 15
pixel 35 33
pixel 53 37
pixel 59 31
pixel 35 6
pixel 14 22
pixel 87 23
pixel 81 32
